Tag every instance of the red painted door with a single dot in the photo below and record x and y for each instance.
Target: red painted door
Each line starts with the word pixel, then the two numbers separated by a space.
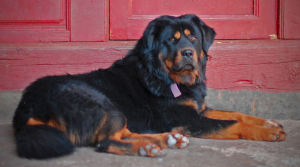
pixel 289 21
pixel 232 19
pixel 53 20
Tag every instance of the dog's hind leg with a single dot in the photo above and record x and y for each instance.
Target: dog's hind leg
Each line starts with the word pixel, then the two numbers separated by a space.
pixel 124 142
pixel 164 140
pixel 116 145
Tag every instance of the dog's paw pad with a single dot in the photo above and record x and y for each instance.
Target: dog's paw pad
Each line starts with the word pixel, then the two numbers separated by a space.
pixel 177 141
pixel 171 141
pixel 183 145
pixel 142 151
pixel 148 147
pixel 177 135
pixel 150 150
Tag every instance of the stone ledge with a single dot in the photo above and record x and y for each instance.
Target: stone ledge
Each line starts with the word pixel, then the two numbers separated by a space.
pixel 255 103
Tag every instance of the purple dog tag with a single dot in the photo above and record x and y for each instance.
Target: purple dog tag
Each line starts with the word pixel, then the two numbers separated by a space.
pixel 175 90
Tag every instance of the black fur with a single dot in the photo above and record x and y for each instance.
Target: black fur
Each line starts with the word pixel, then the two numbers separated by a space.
pixel 41 142
pixel 135 88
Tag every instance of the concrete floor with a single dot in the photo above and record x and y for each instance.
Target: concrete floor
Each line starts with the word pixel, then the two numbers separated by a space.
pixel 200 152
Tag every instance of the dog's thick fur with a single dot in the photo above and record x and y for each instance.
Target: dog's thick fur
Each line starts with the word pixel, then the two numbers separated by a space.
pixel 129 108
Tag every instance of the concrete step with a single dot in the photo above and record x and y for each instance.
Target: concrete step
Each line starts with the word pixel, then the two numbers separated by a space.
pixel 265 105
pixel 200 152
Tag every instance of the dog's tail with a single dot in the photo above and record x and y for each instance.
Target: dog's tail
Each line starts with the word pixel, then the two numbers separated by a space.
pixel 41 142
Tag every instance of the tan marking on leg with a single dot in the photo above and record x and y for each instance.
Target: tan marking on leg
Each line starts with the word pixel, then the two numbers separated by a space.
pixel 98 135
pixel 132 147
pixel 181 130
pixel 59 125
pixel 72 138
pixel 76 138
pixel 119 151
pixel 119 135
pixel 190 103
pixel 144 144
pixel 227 115
pixel 33 121
pixel 203 107
pixel 248 132
pixel 160 139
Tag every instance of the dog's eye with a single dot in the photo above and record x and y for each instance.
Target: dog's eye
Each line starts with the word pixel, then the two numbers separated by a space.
pixel 171 39
pixel 193 38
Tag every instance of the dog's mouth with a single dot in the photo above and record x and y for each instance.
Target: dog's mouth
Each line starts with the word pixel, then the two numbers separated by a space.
pixel 188 67
pixel 184 72
pixel 185 67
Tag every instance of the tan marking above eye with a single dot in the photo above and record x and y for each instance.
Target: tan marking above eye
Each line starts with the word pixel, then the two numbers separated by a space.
pixel 187 32
pixel 177 35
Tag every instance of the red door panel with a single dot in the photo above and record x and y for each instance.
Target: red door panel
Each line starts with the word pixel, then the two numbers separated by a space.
pixel 232 19
pixel 202 7
pixel 31 11
pixel 289 22
pixel 33 20
pixel 53 20
pixel 89 20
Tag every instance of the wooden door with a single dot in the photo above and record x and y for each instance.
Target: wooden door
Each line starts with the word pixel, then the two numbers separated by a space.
pixel 289 20
pixel 53 20
pixel 232 19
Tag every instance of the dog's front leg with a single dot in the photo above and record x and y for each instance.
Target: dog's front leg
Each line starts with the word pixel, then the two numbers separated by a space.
pixel 246 127
pixel 216 124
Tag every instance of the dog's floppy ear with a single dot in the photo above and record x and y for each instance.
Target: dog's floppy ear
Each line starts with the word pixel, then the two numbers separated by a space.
pixel 147 37
pixel 151 76
pixel 153 30
pixel 207 32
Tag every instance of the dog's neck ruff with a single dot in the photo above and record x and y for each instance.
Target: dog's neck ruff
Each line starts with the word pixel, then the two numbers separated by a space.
pixel 175 90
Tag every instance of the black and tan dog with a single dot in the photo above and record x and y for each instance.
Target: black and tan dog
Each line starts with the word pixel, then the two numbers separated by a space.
pixel 141 104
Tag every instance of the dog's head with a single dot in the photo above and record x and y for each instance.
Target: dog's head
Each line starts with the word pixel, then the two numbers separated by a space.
pixel 176 47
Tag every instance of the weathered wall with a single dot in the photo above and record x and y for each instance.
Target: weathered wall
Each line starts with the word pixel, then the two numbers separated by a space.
pixel 262 65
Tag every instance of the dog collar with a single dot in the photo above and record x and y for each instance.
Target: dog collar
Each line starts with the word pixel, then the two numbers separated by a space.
pixel 175 90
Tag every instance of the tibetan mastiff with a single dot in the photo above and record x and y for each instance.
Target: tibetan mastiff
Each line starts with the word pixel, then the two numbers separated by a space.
pixel 149 100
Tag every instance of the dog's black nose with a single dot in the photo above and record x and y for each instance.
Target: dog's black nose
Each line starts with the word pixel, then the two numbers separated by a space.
pixel 187 53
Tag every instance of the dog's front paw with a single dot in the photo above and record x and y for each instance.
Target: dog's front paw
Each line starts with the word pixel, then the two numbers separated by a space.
pixel 177 140
pixel 265 134
pixel 275 135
